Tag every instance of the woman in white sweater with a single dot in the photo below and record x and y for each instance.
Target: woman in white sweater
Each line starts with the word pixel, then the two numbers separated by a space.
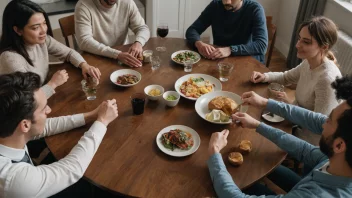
pixel 315 74
pixel 26 43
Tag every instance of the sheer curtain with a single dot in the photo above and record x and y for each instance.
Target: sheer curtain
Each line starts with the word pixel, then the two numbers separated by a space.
pixel 306 10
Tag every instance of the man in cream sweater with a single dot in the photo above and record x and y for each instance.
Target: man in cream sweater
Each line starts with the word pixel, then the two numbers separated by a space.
pixel 23 115
pixel 102 24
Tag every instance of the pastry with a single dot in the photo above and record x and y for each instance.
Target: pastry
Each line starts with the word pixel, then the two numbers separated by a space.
pixel 227 105
pixel 245 146
pixel 235 158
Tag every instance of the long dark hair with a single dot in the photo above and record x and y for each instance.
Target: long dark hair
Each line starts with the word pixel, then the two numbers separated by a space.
pixel 17 13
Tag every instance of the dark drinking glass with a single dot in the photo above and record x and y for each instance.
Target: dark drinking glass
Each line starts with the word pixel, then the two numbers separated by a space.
pixel 162 31
pixel 138 101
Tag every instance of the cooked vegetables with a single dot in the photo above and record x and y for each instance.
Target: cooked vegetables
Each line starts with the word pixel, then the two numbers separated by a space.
pixel 177 139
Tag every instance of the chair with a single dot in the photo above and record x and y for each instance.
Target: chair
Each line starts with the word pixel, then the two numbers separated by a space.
pixel 272 37
pixel 67 25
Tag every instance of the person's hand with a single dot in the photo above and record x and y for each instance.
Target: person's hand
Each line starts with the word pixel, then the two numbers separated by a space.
pixel 282 96
pixel 136 50
pixel 129 60
pixel 204 49
pixel 245 120
pixel 217 142
pixel 252 98
pixel 257 77
pixel 107 112
pixel 59 78
pixel 221 52
pixel 88 70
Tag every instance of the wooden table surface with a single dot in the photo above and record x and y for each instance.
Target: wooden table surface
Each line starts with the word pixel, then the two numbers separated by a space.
pixel 128 160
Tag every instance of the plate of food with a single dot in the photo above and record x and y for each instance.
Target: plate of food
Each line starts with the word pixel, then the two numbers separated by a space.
pixel 218 106
pixel 125 77
pixel 178 140
pixel 192 86
pixel 180 56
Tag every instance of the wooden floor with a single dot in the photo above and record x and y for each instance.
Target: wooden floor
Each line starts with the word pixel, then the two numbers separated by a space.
pixel 278 62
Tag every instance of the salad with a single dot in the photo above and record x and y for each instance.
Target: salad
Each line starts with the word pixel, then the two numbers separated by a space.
pixel 177 138
pixel 184 56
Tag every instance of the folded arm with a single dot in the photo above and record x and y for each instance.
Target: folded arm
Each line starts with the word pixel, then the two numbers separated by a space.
pixel 137 25
pixel 298 115
pixel 259 43
pixel 295 147
pixel 200 25
pixel 47 180
pixel 63 52
pixel 285 78
pixel 84 35
pixel 61 124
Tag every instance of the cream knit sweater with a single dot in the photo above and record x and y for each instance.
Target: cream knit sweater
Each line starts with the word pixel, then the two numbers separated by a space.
pixel 98 28
pixel 314 91
pixel 11 61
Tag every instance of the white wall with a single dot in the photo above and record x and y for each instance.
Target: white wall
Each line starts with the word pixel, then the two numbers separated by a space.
pixel 271 8
pixel 286 20
pixel 3 4
pixel 340 15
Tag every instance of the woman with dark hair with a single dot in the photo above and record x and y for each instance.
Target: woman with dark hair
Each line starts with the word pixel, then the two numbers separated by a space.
pixel 26 43
pixel 315 74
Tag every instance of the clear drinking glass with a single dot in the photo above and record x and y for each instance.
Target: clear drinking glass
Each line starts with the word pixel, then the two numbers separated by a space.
pixel 90 87
pixel 162 31
pixel 275 87
pixel 188 65
pixel 225 70
pixel 156 61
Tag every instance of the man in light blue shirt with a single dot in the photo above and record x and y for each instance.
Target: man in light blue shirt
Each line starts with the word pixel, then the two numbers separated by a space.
pixel 332 162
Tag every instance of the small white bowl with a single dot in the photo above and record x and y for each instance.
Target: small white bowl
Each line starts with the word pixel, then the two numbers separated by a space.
pixel 171 103
pixel 120 72
pixel 150 87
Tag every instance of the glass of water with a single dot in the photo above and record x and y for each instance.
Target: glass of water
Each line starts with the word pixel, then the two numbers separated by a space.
pixel 188 65
pixel 225 70
pixel 156 61
pixel 90 87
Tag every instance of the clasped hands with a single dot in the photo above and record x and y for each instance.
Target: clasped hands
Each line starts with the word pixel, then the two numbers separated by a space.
pixel 210 52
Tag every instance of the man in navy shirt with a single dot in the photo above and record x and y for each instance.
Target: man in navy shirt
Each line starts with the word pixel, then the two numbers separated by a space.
pixel 239 29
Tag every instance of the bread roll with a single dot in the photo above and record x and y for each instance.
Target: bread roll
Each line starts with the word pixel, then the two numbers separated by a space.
pixel 235 158
pixel 245 146
pixel 227 105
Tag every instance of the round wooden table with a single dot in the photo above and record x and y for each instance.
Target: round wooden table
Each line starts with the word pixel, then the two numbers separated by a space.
pixel 128 160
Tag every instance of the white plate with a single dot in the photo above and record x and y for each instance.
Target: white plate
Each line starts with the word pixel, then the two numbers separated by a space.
pixel 178 152
pixel 117 73
pixel 201 105
pixel 274 118
pixel 175 53
pixel 217 86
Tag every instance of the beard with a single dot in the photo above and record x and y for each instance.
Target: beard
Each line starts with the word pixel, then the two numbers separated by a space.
pixel 228 7
pixel 109 3
pixel 326 146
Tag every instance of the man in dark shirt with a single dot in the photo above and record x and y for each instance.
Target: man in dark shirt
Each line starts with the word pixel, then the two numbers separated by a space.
pixel 239 29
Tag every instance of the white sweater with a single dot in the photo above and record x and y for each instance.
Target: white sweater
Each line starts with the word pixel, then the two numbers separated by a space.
pixel 11 61
pixel 314 91
pixel 25 180
pixel 98 28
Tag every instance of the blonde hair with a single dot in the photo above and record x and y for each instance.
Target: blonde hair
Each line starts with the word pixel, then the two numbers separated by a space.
pixel 324 31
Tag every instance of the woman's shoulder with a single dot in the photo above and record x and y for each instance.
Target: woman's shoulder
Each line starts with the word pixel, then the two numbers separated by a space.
pixel 10 55
pixel 331 69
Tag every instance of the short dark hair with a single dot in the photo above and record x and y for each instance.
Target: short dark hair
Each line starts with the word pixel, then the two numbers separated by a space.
pixel 17 13
pixel 17 100
pixel 343 89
